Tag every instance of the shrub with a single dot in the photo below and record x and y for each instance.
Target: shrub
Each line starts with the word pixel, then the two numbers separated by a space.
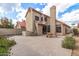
pixel 68 42
pixel 75 32
pixel 5 45
pixel 4 52
pixel 11 43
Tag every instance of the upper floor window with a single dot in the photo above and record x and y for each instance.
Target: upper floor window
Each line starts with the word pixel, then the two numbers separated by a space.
pixel 36 18
pixel 45 19
pixel 41 18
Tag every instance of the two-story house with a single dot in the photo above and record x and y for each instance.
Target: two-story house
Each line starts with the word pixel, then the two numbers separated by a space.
pixel 40 24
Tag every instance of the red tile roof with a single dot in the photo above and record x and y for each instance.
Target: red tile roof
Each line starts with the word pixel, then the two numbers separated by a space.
pixel 22 24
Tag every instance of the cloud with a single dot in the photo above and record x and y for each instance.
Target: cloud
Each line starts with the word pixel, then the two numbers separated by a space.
pixel 69 9
pixel 9 7
pixel 22 11
pixel 14 21
pixel 70 18
pixel 37 9
pixel 6 9
pixel 59 7
pixel 14 11
pixel 21 14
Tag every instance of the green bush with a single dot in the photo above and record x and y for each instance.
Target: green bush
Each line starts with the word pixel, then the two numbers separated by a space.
pixel 5 45
pixel 4 52
pixel 68 42
pixel 75 32
pixel 11 43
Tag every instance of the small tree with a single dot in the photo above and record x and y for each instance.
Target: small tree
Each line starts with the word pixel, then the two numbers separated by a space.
pixel 6 23
pixel 75 32
pixel 10 25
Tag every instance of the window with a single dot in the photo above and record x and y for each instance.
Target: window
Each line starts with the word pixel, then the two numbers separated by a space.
pixel 41 18
pixel 45 29
pixel 45 19
pixel 48 28
pixel 36 18
pixel 58 28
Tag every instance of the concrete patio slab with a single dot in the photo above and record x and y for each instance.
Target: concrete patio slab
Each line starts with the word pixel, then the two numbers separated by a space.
pixel 38 46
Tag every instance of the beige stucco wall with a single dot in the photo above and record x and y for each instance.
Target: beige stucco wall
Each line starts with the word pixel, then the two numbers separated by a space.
pixel 63 28
pixel 39 27
pixel 58 23
pixel 40 15
pixel 68 29
pixel 29 22
pixel 36 22
pixel 36 14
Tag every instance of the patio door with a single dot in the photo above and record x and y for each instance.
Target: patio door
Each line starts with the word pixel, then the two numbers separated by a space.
pixel 44 29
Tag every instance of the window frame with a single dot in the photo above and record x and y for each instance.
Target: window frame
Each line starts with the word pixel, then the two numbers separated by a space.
pixel 45 19
pixel 37 18
pixel 58 28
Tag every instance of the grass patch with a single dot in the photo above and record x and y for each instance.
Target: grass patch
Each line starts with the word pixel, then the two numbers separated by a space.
pixel 5 45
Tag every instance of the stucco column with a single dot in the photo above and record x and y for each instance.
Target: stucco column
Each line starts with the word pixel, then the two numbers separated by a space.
pixel 62 29
pixel 53 20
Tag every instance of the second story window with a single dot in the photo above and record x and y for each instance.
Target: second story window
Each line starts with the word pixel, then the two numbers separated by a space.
pixel 36 18
pixel 45 19
pixel 41 18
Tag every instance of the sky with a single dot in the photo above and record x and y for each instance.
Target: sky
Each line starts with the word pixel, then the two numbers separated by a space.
pixel 65 12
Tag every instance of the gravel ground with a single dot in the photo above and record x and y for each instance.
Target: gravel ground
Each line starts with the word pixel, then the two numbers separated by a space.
pixel 38 46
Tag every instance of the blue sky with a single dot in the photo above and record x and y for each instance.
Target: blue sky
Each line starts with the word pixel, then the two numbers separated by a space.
pixel 69 9
pixel 33 5
pixel 16 11
pixel 70 14
pixel 7 7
